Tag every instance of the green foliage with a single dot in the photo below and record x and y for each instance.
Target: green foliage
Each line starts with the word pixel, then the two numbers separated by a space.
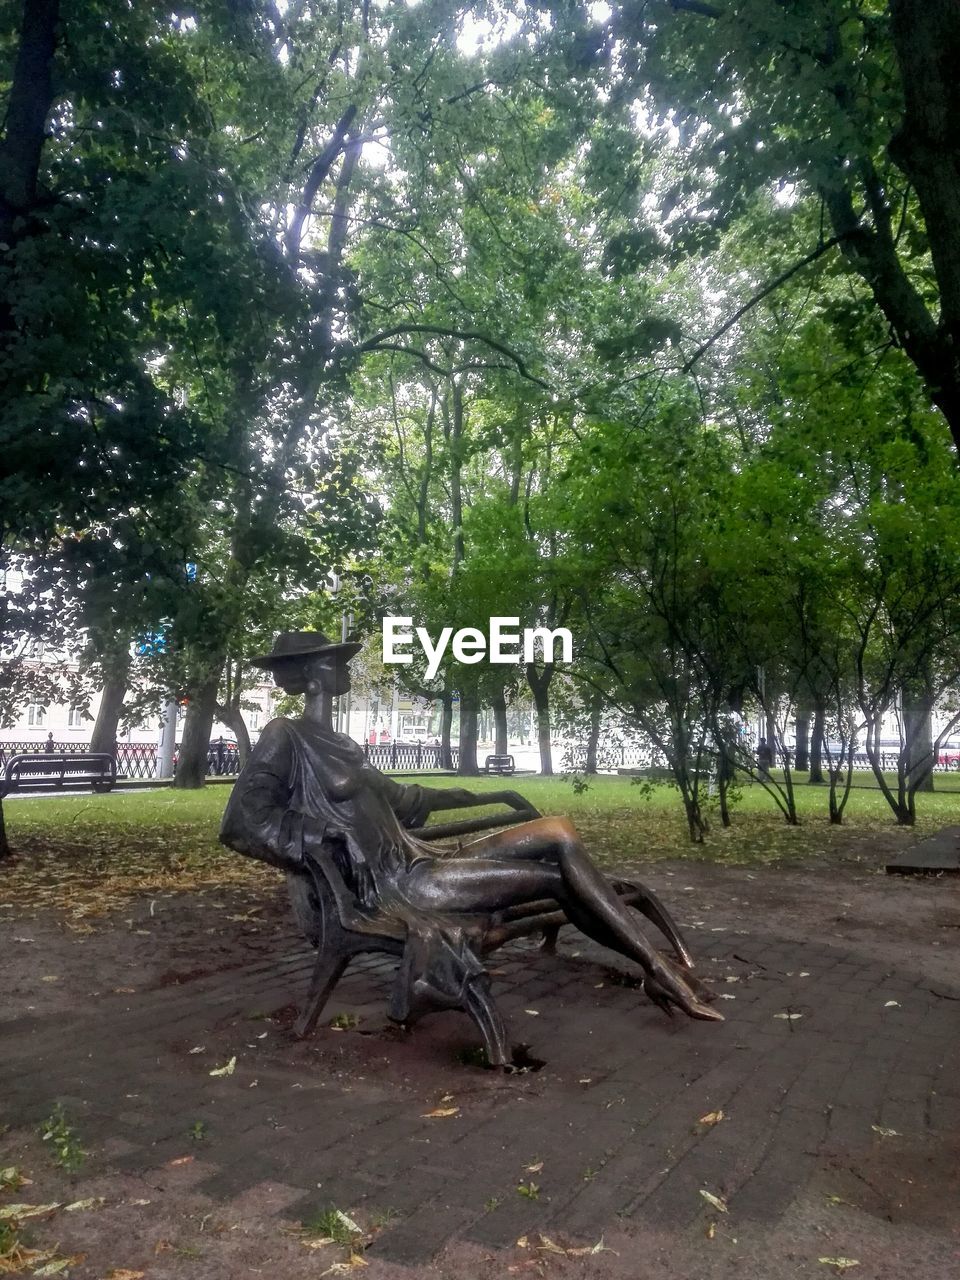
pixel 58 1131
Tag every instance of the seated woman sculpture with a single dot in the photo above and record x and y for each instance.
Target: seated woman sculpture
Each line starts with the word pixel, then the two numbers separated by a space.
pixel 306 791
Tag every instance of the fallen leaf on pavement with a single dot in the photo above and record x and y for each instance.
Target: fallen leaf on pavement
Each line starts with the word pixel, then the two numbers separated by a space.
pixel 12 1212
pixel 94 1202
pixel 717 1201
pixel 440 1113
pixel 712 1117
pixel 534 1168
pixel 341 1268
pixel 226 1070
pixel 788 1017
pixel 884 1133
pixel 842 1264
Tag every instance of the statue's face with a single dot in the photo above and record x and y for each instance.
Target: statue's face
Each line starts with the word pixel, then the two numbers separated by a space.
pixel 313 674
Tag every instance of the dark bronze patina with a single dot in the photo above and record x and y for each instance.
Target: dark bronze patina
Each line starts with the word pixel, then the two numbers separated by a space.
pixel 362 878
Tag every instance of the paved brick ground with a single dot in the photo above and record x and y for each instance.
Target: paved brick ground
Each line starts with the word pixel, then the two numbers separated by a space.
pixel 826 1060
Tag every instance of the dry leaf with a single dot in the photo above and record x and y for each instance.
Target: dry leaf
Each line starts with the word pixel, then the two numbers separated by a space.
pixel 440 1113
pixel 348 1222
pixel 788 1017
pixel 198 1048
pixel 547 1245
pixel 59 1265
pixel 711 1230
pixel 11 1212
pixel 717 1202
pixel 11 1179
pixel 534 1168
pixel 884 1133
pixel 93 1203
pixel 712 1117
pixel 841 1264
pixel 318 1242
pixel 534 1013
pixel 341 1268
pixel 172 1164
pixel 227 1070
pixel 121 1273
pixel 522 1242
pixel 892 1004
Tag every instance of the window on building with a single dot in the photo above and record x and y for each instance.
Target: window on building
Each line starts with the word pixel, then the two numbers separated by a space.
pixel 254 718
pixel 75 718
pixel 36 714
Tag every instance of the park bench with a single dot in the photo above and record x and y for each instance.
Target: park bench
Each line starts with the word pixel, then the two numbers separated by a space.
pixel 503 765
pixel 340 927
pixel 54 770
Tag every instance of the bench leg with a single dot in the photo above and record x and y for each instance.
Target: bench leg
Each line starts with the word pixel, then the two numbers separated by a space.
pixel 327 972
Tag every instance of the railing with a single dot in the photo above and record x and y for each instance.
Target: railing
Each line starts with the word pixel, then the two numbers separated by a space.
pixel 139 759
pixel 134 759
pixel 407 755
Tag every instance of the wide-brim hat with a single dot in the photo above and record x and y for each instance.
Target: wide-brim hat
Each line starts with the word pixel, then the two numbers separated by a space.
pixel 306 644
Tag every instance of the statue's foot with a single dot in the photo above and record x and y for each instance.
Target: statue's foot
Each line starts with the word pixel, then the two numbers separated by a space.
pixel 669 991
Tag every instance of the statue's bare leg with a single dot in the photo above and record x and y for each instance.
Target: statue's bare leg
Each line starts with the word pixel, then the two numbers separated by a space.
pixel 546 859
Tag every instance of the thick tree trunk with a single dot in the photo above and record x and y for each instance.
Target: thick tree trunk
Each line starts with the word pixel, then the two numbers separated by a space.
pixel 446 729
pixel 539 682
pixel 593 738
pixel 802 762
pixel 816 744
pixel 468 734
pixel 104 736
pixel 197 727
pixel 926 37
pixel 28 104
pixel 499 705
pixel 5 850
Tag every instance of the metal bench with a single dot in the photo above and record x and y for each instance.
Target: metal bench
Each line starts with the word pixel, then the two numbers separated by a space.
pixel 46 771
pixel 339 927
pixel 503 765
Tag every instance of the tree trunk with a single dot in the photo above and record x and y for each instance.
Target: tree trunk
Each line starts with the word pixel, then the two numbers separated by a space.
pixel 104 736
pixel 233 719
pixel 446 729
pixel 926 38
pixel 593 740
pixel 539 682
pixel 5 850
pixel 468 734
pixel 802 762
pixel 499 704
pixel 918 742
pixel 28 102
pixel 197 727
pixel 816 744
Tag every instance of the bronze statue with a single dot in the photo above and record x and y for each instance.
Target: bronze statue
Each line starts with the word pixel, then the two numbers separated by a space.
pixel 308 802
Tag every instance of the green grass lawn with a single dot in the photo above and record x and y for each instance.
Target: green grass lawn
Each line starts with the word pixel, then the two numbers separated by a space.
pixel 86 854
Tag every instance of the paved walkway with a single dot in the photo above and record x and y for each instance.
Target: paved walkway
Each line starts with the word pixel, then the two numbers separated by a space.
pixel 838 1083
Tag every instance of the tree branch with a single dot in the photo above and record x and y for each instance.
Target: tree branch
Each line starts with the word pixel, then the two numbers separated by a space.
pixel 765 292
pixel 464 335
